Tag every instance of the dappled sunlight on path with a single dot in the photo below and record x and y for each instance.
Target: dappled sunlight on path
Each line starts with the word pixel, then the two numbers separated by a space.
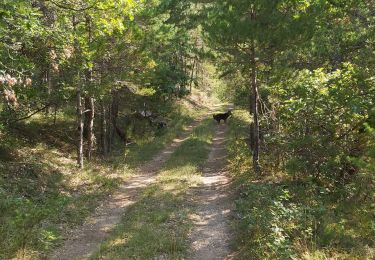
pixel 83 241
pixel 211 235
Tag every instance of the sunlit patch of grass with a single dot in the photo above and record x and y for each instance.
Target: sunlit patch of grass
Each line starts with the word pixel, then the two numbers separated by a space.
pixel 153 226
pixel 157 226
pixel 145 150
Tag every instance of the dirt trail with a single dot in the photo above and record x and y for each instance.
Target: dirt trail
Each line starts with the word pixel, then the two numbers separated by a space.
pixel 83 241
pixel 211 236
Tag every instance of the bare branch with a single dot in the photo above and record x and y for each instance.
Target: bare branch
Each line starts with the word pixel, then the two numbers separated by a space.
pixel 30 115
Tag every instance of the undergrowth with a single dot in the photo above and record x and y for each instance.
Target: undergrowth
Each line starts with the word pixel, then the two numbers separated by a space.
pixel 280 217
pixel 43 193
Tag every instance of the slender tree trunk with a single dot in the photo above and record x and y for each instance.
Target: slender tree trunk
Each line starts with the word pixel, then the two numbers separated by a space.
pixel 79 106
pixel 89 100
pixel 192 74
pixel 86 117
pixel 110 132
pixel 254 109
pixel 103 129
pixel 49 87
pixel 114 116
pixel 89 117
pixel 80 124
pixel 91 136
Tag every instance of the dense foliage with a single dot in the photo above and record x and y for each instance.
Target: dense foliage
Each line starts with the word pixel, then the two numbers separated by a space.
pixel 312 63
pixel 126 55
pixel 114 69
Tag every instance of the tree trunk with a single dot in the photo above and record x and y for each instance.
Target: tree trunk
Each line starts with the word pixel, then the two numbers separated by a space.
pixel 114 116
pixel 49 88
pixel 192 74
pixel 254 96
pixel 80 124
pixel 86 117
pixel 89 113
pixel 103 130
pixel 110 132
pixel 91 135
pixel 79 108
pixel 89 100
pixel 55 114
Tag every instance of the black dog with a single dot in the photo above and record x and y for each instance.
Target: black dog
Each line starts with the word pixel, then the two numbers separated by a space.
pixel 222 116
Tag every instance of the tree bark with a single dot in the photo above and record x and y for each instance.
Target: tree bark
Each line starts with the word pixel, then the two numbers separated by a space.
pixel 254 96
pixel 110 132
pixel 89 116
pixel 114 116
pixel 103 129
pixel 86 117
pixel 49 87
pixel 89 100
pixel 91 135
pixel 79 106
pixel 80 124
pixel 192 75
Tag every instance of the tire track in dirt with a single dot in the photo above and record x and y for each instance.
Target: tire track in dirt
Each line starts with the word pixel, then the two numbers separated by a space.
pixel 211 236
pixel 86 239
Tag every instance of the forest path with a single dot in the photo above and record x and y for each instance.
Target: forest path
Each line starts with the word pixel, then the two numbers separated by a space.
pixel 211 235
pixel 85 240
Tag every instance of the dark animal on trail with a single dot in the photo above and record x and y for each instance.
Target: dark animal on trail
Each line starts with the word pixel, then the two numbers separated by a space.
pixel 222 116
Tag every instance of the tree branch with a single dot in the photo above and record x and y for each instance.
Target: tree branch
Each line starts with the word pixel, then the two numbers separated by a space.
pixel 30 115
